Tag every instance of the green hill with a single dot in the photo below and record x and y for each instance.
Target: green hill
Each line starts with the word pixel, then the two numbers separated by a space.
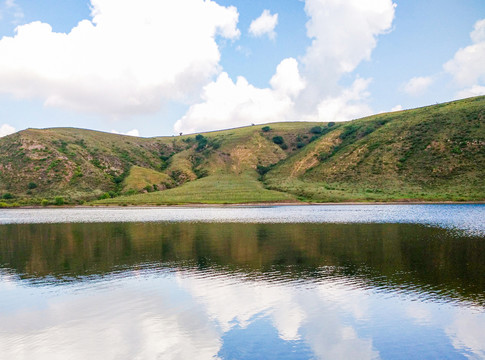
pixel 431 153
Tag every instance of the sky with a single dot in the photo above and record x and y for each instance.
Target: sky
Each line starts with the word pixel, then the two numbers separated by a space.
pixel 159 68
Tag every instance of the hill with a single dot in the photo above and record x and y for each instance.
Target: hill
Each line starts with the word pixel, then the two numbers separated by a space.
pixel 433 153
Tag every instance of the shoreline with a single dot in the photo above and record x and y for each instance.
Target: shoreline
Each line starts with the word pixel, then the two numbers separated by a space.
pixel 259 204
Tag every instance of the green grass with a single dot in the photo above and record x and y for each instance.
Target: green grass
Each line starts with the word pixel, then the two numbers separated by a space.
pixel 431 153
pixel 434 153
pixel 139 178
pixel 347 192
pixel 215 189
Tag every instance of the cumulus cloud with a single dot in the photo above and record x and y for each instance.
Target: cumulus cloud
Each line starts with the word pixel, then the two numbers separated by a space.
pixel 467 67
pixel 417 85
pixel 127 58
pixel 6 129
pixel 343 34
pixel 133 132
pixel 264 25
pixel 348 105
pixel 475 90
pixel 397 108
pixel 228 104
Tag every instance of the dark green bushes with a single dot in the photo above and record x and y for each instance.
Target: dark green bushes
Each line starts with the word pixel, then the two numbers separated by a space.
pixel 278 140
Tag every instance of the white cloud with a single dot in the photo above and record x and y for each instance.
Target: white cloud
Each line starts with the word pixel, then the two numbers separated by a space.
pixel 133 132
pixel 343 33
pixel 347 105
pixel 129 58
pixel 228 104
pixel 6 129
pixel 475 90
pixel 417 85
pixel 264 25
pixel 396 108
pixel 467 66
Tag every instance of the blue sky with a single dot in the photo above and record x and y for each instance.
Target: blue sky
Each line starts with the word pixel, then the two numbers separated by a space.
pixel 152 67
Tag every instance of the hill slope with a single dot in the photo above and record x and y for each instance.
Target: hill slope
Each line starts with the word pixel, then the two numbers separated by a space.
pixel 430 153
pixel 83 165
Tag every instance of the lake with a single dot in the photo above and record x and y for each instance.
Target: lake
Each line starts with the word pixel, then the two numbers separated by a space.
pixel 288 282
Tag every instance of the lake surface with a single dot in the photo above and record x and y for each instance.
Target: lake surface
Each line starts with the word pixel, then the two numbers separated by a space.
pixel 292 282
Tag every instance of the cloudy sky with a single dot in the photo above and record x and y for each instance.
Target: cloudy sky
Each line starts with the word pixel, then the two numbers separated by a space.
pixel 153 67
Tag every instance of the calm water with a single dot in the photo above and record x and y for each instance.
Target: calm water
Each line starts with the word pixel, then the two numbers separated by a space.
pixel 298 282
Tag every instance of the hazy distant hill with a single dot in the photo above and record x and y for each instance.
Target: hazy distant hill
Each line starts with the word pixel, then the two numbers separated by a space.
pixel 431 153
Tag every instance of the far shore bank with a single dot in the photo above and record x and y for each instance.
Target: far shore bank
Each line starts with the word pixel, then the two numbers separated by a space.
pixel 263 204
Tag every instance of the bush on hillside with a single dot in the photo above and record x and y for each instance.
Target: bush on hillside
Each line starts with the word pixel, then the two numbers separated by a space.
pixel 278 140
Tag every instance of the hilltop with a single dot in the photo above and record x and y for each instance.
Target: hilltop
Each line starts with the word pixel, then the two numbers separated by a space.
pixel 434 153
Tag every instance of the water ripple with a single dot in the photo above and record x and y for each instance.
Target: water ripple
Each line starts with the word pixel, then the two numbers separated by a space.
pixel 468 218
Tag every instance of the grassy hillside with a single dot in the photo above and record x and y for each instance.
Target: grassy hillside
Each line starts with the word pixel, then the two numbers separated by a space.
pixel 214 189
pixel 430 153
pixel 82 165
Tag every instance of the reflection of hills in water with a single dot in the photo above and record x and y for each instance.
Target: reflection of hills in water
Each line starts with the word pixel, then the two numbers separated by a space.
pixel 431 262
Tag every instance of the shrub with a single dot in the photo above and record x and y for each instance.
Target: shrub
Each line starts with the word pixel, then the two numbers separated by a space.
pixel 278 140
pixel 59 200
pixel 316 130
pixel 7 196
pixel 284 146
pixel 44 202
pixel 300 144
pixel 201 144
pixel 32 185
pixel 330 124
pixel 266 128
pixel 262 170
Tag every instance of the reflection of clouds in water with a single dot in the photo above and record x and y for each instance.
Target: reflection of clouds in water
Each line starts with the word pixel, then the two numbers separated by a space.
pixel 326 333
pixel 314 315
pixel 121 323
pixel 183 316
pixel 348 300
pixel 229 301
pixel 419 313
pixel 467 332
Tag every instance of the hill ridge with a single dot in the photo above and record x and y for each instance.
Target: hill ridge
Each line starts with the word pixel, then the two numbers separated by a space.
pixel 433 153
